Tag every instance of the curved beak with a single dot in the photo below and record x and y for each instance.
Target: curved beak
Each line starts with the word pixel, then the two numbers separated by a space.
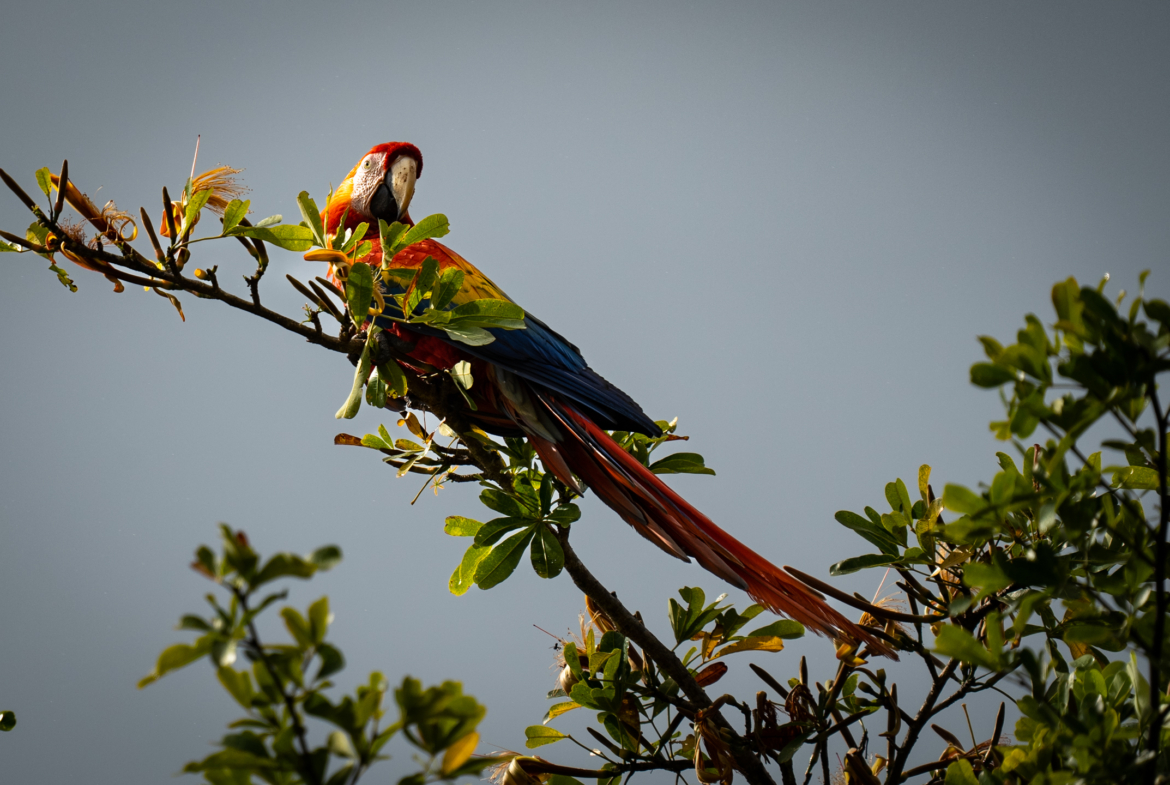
pixel 392 197
pixel 401 178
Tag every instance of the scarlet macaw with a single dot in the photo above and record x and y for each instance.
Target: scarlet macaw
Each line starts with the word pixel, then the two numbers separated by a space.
pixel 535 383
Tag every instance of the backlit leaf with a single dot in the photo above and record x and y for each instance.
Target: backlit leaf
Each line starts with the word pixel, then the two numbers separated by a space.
pixel 956 642
pixel 312 217
pixel 290 237
pixel 464 576
pixel 359 291
pixel 175 657
pixel 461 527
pixel 752 643
pixel 458 753
pixel 45 181
pixel 540 735
pixel 234 213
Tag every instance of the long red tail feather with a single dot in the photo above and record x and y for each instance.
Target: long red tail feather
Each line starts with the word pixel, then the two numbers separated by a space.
pixel 662 516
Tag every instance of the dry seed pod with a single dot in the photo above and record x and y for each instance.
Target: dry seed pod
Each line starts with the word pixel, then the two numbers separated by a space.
pixel 598 616
pixel 516 775
pixel 567 679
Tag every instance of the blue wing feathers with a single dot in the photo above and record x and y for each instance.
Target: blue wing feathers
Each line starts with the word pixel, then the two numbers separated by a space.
pixel 542 356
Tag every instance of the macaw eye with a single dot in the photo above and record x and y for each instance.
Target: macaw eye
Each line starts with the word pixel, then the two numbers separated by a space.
pixel 367 163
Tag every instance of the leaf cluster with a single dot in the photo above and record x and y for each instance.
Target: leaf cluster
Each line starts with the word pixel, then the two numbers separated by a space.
pixel 284 684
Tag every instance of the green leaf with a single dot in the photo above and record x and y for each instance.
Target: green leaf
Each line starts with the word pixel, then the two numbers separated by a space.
pixel 986 576
pixel 450 282
pixel 961 773
pixel 846 566
pixel 504 504
pixel 290 237
pixel 540 735
pixel 175 657
pixel 283 565
pixel 489 313
pixel 45 181
pixel 990 375
pixel 548 558
pixel 428 274
pixel 784 628
pixel 193 207
pixel 956 642
pixel 391 373
pixel 1158 310
pixel 326 557
pixel 869 530
pixel 319 619
pixel 353 403
pixel 566 514
pixel 431 227
pixel 234 213
pixel 958 499
pixel 390 235
pixel 681 463
pixel 464 576
pixel 63 277
pixel 501 562
pixel 491 532
pixel 312 217
pixel 340 745
pixel 359 291
pixel 461 527
pixel 238 684
pixel 355 237
pixel 332 661
pixel 7 720
pixel 557 709
pixel 297 626
pixel 1138 478
pixel 192 622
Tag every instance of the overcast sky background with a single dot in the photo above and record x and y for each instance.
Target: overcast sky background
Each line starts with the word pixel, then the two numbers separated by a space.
pixel 783 223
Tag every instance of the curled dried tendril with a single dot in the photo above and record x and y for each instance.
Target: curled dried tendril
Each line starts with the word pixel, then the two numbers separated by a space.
pixel 120 223
pixel 115 225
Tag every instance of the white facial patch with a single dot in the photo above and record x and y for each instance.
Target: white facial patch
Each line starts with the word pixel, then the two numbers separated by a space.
pixel 366 180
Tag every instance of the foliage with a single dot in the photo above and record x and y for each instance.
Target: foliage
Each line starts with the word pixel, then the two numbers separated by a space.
pixel 1051 578
pixel 284 684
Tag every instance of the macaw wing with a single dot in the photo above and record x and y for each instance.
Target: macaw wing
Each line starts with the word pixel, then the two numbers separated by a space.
pixel 537 353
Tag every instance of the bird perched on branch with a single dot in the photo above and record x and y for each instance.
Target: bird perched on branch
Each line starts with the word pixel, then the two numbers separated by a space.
pixel 535 383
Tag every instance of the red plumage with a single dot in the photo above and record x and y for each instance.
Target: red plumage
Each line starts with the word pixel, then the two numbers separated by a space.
pixel 514 395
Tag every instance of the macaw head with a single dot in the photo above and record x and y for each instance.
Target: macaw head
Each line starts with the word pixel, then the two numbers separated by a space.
pixel 380 186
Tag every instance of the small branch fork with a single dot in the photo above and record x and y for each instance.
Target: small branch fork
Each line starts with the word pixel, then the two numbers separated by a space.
pixel 257 648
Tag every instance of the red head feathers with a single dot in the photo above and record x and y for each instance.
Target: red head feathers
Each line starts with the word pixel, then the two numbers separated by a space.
pixel 380 186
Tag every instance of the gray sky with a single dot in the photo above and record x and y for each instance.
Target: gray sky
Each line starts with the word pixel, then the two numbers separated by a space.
pixel 783 223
